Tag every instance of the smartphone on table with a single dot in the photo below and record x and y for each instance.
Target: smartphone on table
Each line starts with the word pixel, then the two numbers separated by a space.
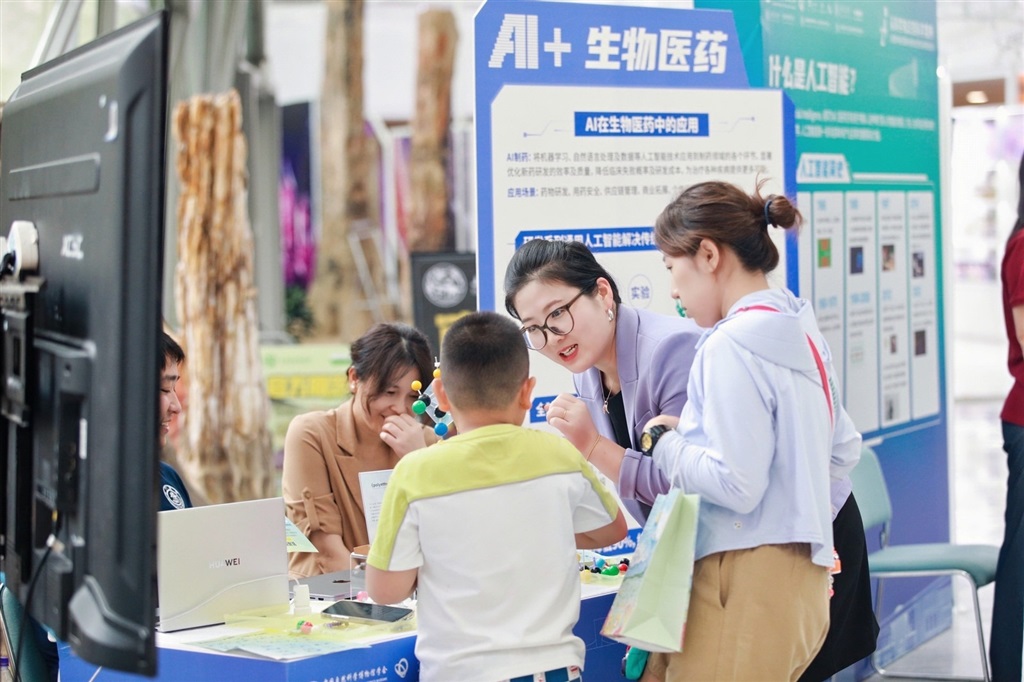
pixel 370 612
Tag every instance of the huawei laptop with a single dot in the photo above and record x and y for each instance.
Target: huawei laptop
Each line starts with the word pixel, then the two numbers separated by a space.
pixel 221 559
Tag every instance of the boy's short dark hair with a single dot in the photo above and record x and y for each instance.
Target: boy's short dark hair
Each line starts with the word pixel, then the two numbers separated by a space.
pixel 170 351
pixel 484 361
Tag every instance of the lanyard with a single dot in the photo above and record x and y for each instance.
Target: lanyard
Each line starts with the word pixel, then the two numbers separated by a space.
pixel 817 361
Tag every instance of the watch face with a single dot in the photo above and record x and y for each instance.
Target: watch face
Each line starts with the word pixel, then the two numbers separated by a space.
pixel 646 441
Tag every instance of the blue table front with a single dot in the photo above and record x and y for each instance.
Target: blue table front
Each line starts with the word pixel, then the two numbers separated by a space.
pixel 391 660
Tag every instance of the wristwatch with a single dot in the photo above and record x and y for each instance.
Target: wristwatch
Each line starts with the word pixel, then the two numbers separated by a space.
pixel 650 438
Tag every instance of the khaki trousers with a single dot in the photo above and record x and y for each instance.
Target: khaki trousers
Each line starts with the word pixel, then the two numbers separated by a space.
pixel 755 614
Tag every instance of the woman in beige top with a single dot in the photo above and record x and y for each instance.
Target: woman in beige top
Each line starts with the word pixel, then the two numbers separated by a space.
pixel 325 451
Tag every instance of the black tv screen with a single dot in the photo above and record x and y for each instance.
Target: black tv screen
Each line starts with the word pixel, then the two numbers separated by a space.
pixel 81 197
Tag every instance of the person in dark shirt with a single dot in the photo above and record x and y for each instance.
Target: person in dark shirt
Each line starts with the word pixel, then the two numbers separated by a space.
pixel 173 493
pixel 1008 604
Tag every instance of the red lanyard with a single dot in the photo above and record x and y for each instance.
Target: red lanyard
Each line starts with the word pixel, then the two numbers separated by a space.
pixel 817 361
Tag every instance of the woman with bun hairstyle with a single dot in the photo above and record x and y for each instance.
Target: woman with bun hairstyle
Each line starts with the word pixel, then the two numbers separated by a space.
pixel 763 439
pixel 627 364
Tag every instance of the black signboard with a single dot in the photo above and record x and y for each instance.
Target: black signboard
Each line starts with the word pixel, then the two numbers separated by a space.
pixel 443 290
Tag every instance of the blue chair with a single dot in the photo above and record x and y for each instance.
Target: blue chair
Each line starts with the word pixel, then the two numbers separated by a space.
pixel 974 563
pixel 29 659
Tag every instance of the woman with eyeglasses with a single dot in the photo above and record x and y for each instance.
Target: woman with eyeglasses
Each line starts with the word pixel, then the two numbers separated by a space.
pixel 628 365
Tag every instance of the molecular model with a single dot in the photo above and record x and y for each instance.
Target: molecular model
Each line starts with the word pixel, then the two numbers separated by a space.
pixel 426 404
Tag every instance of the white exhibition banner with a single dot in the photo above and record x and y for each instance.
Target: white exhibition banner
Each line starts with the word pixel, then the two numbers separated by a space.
pixel 590 120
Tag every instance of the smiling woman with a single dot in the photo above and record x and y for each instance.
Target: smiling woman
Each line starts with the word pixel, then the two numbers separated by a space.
pixel 324 452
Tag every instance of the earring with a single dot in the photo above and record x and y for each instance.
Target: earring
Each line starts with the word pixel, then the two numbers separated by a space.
pixel 352 387
pixel 611 315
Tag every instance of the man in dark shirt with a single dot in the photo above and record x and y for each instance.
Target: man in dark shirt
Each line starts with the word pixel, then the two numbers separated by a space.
pixel 173 493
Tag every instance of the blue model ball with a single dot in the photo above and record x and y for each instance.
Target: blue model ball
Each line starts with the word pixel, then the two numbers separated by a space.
pixel 441 429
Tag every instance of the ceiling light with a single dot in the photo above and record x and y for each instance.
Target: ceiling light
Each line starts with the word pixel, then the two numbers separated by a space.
pixel 976 97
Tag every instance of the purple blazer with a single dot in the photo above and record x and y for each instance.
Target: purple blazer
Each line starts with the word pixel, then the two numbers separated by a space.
pixel 654 353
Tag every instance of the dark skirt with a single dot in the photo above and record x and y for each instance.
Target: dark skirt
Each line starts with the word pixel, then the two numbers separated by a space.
pixel 853 629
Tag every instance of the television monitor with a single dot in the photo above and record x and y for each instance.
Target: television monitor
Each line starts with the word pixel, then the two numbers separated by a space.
pixel 81 199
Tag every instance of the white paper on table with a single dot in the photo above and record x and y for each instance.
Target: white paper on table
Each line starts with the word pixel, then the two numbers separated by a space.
pixel 372 485
pixel 295 539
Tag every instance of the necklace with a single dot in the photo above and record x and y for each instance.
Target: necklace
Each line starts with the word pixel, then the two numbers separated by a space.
pixel 607 396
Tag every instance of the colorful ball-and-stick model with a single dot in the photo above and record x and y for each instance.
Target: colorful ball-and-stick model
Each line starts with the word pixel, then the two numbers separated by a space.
pixel 426 404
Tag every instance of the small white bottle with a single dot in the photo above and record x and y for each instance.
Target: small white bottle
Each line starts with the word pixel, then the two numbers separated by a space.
pixel 300 600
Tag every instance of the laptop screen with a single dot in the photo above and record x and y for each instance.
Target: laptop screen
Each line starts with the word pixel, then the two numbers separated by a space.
pixel 221 559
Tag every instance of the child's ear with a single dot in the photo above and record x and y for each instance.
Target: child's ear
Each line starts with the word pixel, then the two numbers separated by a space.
pixel 526 393
pixel 442 397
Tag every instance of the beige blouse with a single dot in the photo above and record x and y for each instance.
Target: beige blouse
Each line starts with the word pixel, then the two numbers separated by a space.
pixel 323 455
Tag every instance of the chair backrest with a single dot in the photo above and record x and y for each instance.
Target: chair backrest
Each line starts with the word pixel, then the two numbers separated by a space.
pixel 30 661
pixel 869 487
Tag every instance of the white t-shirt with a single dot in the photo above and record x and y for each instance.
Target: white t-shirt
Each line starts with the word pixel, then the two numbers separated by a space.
pixel 489 518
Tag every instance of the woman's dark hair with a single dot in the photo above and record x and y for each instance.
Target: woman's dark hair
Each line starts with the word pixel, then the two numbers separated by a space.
pixel 1020 198
pixel 728 216
pixel 546 260
pixel 386 352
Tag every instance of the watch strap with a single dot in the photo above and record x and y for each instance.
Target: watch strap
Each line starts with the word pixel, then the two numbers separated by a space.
pixel 651 438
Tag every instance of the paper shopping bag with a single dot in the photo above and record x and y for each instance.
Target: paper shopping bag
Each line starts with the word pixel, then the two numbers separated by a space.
pixel 650 608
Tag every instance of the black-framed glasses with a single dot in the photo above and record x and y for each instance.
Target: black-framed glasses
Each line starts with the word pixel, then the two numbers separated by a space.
pixel 559 321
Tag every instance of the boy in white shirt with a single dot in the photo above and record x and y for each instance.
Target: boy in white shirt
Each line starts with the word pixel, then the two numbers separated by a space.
pixel 486 524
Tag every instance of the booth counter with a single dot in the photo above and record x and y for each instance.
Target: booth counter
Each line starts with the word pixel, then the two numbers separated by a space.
pixel 387 659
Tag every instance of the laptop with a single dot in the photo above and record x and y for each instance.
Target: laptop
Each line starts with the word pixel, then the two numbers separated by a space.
pixel 335 586
pixel 218 560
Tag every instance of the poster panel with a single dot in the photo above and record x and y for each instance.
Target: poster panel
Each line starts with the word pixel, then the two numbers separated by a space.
pixel 589 122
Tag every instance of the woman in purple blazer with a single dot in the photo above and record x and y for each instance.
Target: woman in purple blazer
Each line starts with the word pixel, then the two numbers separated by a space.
pixel 628 365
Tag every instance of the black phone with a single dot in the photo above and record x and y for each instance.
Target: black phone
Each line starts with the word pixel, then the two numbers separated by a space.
pixel 363 611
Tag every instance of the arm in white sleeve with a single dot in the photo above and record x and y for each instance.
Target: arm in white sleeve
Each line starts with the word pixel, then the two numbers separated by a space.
pixel 734 417
pixel 846 446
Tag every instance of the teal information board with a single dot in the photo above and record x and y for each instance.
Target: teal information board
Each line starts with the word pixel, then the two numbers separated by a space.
pixel 862 78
